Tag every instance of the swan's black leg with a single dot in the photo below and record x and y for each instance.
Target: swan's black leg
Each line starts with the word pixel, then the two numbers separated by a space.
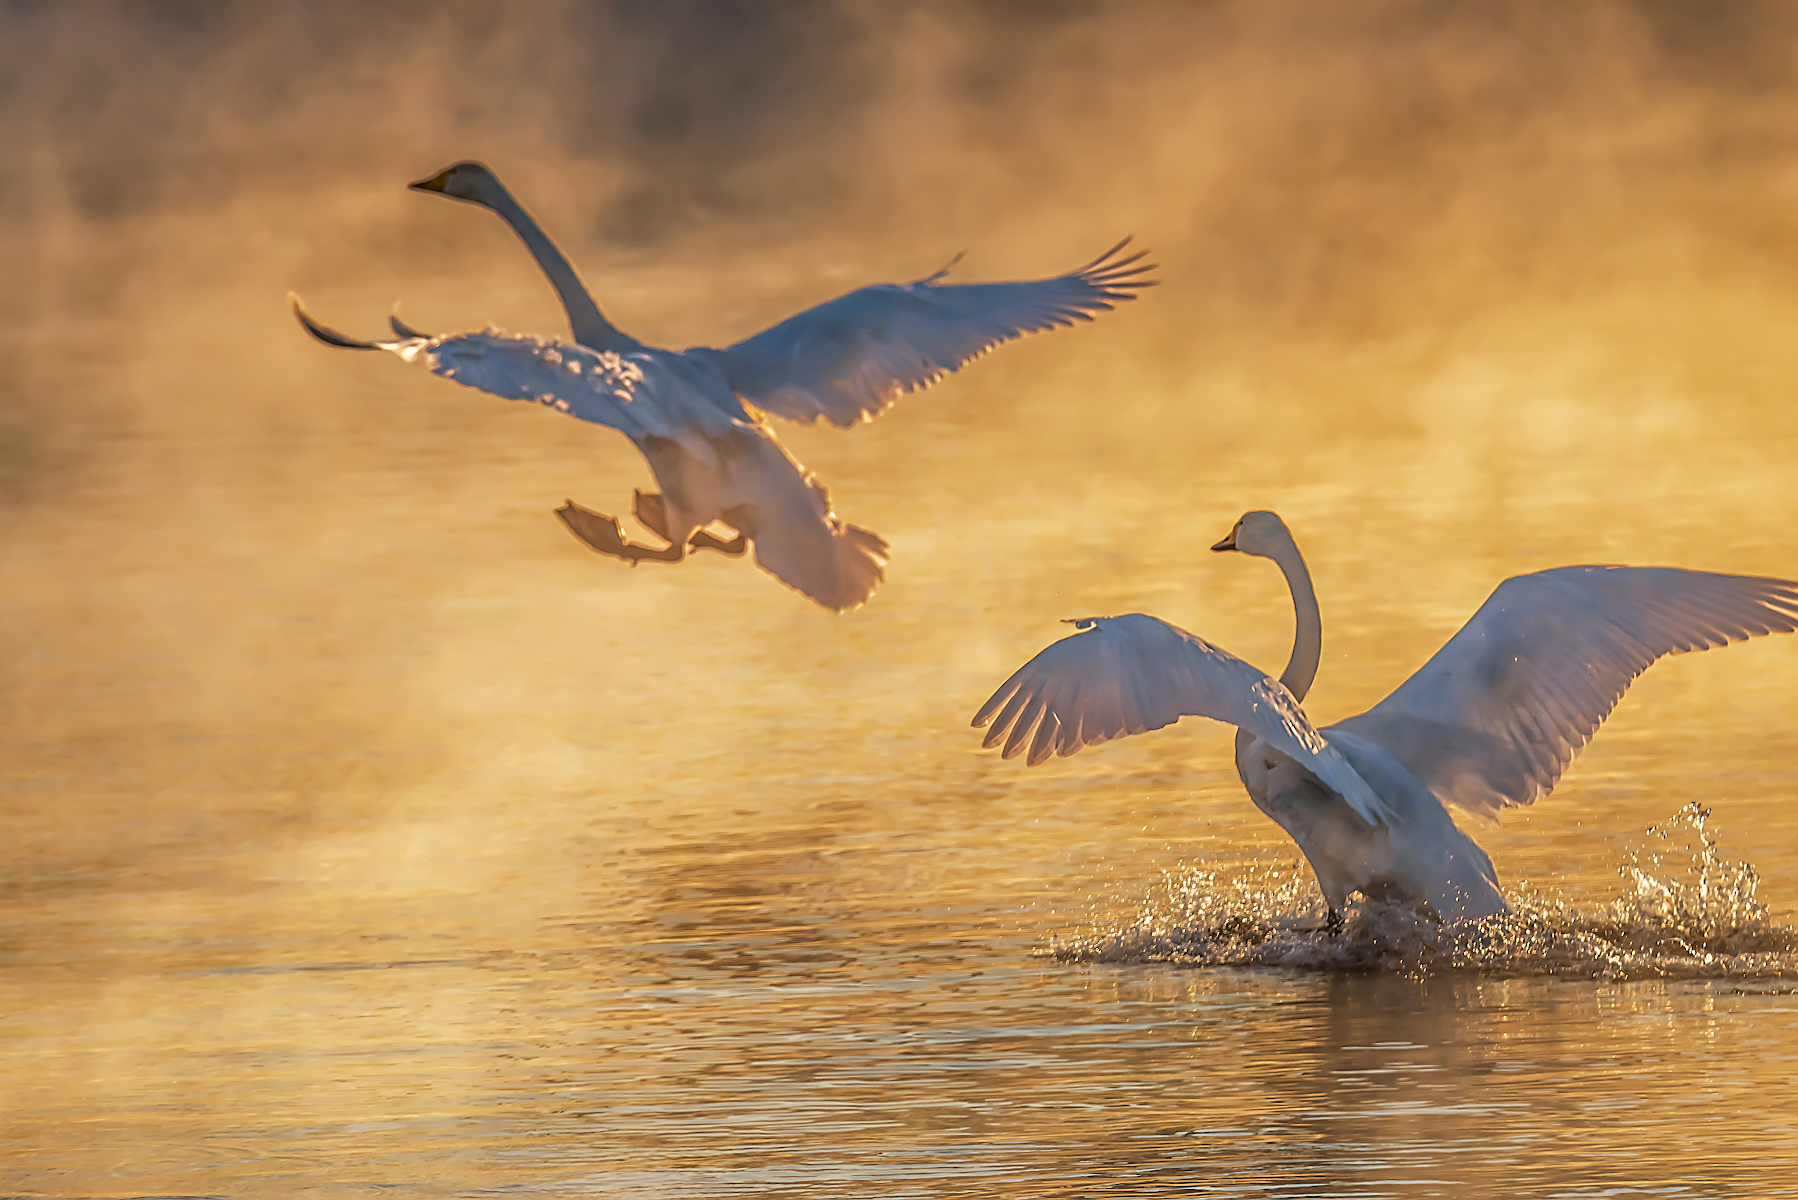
pixel 652 514
pixel 742 519
pixel 1333 923
pixel 604 534
pixel 735 548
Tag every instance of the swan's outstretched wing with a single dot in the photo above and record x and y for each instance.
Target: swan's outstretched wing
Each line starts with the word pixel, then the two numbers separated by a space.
pixel 593 385
pixel 1130 674
pixel 1495 717
pixel 847 360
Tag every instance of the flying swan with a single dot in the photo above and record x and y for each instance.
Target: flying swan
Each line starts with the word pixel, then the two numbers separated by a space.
pixel 1491 721
pixel 696 414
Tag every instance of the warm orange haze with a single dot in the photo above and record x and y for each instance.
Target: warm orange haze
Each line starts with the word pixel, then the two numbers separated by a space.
pixel 697 415
pixel 364 831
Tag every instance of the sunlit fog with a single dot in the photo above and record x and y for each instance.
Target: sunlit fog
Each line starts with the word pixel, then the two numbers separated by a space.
pixel 363 829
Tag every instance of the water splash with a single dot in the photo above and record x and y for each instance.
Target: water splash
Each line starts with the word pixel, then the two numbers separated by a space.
pixel 1687 913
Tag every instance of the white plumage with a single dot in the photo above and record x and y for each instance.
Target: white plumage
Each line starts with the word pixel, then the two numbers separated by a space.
pixel 1134 673
pixel 1492 720
pixel 714 458
pixel 1500 711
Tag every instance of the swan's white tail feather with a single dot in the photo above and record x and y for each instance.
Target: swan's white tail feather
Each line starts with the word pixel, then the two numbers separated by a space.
pixel 836 564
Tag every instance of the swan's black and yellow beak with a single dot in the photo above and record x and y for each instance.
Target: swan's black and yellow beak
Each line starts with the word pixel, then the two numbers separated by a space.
pixel 1229 543
pixel 435 183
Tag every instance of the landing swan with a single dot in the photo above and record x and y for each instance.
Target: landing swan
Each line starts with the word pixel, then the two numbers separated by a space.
pixel 1491 721
pixel 695 414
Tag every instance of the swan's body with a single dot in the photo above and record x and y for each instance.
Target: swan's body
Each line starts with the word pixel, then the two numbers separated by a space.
pixel 695 414
pixel 1489 722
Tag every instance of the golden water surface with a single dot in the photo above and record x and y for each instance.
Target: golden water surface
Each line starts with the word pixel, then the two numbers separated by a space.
pixel 362 833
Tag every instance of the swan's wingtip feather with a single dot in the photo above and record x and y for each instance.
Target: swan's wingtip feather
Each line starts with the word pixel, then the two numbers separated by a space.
pixel 324 333
pixel 399 326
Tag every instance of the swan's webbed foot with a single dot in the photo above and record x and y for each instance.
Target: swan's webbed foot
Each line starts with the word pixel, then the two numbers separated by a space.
pixel 604 534
pixel 1333 923
pixel 652 513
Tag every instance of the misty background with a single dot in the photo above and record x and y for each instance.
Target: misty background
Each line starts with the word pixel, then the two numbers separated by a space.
pixel 1345 197
pixel 359 828
pixel 235 564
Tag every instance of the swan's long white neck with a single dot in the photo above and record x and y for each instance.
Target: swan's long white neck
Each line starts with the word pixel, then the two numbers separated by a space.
pixel 1308 631
pixel 1307 634
pixel 591 329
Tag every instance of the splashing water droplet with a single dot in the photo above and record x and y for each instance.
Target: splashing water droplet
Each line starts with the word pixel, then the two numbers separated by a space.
pixel 1689 913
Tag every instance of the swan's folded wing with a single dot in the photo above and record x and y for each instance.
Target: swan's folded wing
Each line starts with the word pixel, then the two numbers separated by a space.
pixel 1495 717
pixel 847 360
pixel 1131 674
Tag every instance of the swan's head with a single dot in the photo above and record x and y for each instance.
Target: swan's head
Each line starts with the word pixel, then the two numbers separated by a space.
pixel 465 181
pixel 1262 534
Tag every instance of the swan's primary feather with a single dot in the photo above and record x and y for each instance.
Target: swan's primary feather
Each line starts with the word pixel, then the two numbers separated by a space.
pixel 1130 674
pixel 848 359
pixel 1500 711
